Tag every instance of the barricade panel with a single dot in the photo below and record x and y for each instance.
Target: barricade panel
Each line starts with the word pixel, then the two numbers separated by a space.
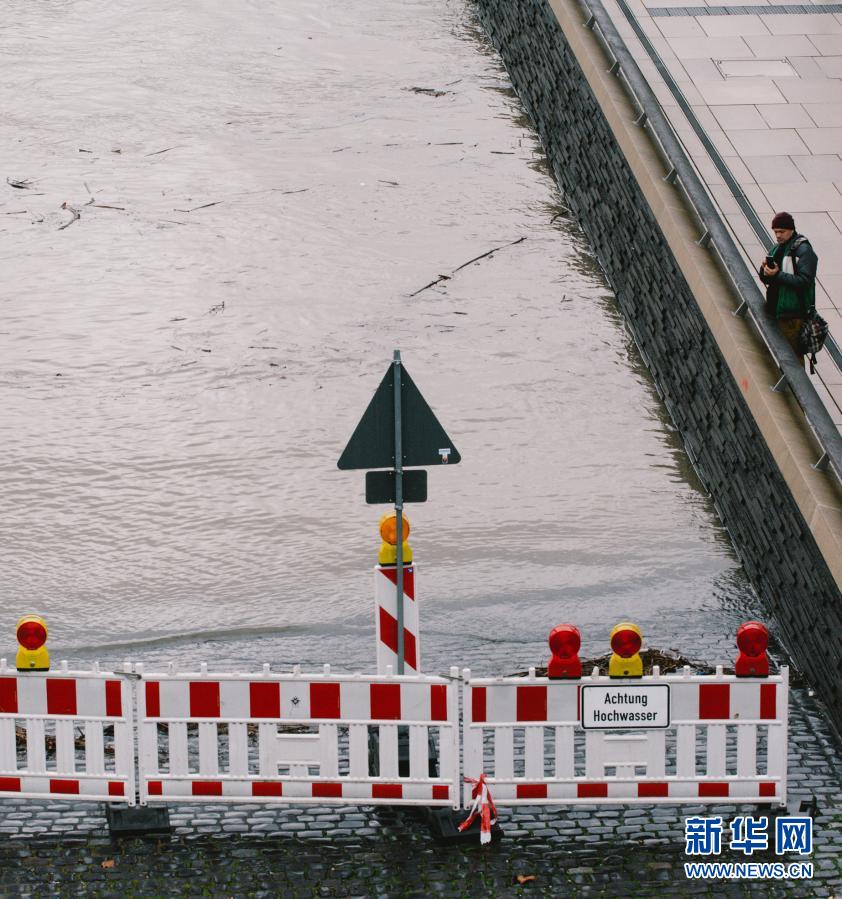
pixel 298 738
pixel 66 733
pixel 657 739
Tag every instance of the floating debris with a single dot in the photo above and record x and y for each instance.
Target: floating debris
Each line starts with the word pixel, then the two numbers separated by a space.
pixel 203 206
pixel 74 212
pixel 429 91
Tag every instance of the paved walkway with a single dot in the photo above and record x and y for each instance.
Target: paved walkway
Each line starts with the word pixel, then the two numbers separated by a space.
pixel 764 80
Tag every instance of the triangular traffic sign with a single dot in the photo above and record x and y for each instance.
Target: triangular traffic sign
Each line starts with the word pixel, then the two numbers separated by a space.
pixel 424 441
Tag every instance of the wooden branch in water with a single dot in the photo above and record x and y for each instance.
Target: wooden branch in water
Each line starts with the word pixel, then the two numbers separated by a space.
pixel 73 212
pixel 465 264
pixel 489 253
pixel 431 284
pixel 203 206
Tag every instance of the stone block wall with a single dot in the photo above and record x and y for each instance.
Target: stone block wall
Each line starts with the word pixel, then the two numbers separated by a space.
pixel 728 450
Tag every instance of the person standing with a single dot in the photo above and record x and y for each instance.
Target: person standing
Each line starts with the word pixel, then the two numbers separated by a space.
pixel 789 273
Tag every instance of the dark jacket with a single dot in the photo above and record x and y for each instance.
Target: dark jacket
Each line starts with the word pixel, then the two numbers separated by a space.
pixel 790 296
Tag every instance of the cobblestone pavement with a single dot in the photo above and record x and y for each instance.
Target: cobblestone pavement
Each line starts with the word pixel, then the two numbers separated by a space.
pixel 244 850
pixel 268 866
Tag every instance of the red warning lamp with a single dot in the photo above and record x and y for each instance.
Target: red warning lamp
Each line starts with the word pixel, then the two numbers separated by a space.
pixel 565 641
pixel 752 640
pixel 626 642
pixel 625 661
pixel 31 633
pixel 32 652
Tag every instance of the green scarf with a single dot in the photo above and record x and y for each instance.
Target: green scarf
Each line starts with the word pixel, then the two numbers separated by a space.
pixel 791 303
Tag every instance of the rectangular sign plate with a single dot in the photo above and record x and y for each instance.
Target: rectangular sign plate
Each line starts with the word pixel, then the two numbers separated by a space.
pixel 625 706
pixel 380 486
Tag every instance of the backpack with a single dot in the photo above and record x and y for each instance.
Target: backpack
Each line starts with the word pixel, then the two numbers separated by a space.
pixel 812 336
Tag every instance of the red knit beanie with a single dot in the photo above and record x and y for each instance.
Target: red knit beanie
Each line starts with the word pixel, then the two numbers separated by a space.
pixel 783 220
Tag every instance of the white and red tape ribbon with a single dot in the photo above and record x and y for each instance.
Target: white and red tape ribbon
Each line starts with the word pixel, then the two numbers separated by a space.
pixel 483 806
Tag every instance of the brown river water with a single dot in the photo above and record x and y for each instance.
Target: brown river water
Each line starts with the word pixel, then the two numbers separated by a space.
pixel 261 187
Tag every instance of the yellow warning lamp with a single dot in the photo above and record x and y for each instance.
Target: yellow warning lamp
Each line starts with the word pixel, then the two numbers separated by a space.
pixel 626 640
pixel 32 650
pixel 388 554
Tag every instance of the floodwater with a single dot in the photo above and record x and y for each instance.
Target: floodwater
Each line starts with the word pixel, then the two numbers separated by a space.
pixel 263 189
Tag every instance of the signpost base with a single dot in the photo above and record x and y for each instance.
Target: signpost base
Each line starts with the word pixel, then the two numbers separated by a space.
pixel 444 826
pixel 126 821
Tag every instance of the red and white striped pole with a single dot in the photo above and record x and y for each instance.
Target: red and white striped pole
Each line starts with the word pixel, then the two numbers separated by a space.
pixel 386 602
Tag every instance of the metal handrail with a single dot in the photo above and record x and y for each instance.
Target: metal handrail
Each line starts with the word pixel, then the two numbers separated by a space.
pixel 715 231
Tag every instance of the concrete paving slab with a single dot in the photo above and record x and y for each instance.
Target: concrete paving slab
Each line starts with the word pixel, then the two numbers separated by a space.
pixel 735 91
pixel 726 203
pixel 820 167
pixel 830 376
pixel 814 91
pixel 821 140
pixel 824 305
pixel 742 117
pixel 827 397
pixel 638 8
pixel 834 319
pixel 701 70
pixel 830 266
pixel 721 142
pixel 739 225
pixel 806 67
pixel 832 283
pixel 823 300
pixel 648 26
pixel 827 44
pixel 818 226
pixel 678 26
pixel 738 169
pixel 830 66
pixel 710 48
pixel 815 196
pixel 827 115
pixel 804 24
pixel 772 169
pixel 785 115
pixel 710 174
pixel 777 45
pixel 732 26
pixel 706 118
pixel 768 142
pixel 758 199
pixel 748 3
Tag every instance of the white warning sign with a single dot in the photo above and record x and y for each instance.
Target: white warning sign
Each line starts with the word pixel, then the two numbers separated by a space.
pixel 624 707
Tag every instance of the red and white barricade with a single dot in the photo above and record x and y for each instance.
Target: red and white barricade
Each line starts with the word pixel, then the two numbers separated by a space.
pixel 657 739
pixel 298 738
pixel 386 617
pixel 66 734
